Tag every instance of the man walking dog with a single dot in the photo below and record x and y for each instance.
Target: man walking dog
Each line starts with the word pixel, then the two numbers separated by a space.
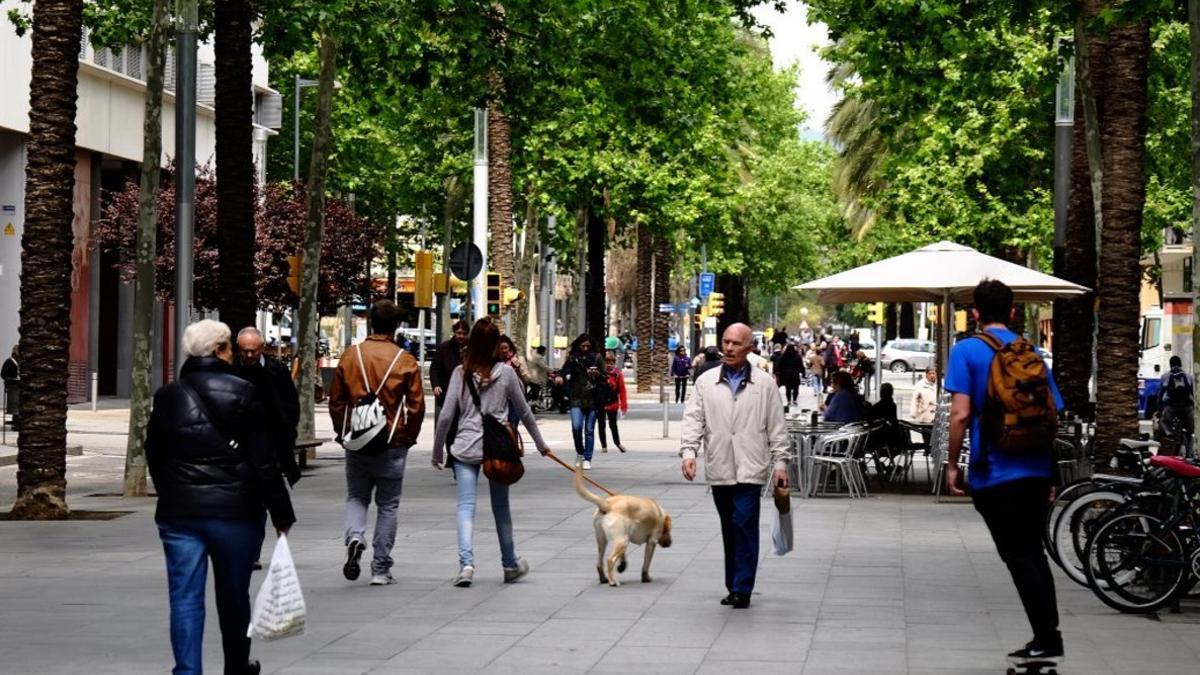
pixel 734 410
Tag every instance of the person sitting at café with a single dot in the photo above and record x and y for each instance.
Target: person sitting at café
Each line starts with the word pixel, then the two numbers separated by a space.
pixel 844 404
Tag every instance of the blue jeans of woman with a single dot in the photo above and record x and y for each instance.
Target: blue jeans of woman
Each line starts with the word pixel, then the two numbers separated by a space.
pixel 818 385
pixel 188 543
pixel 466 476
pixel 583 431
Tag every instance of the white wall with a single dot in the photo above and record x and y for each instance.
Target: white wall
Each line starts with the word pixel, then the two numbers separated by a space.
pixel 12 211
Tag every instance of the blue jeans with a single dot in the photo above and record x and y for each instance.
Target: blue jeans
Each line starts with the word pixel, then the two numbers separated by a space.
pixel 188 544
pixel 738 508
pixel 383 475
pixel 583 430
pixel 818 385
pixel 466 477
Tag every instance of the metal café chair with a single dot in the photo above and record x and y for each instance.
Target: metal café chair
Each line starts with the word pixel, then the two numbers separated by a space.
pixel 838 453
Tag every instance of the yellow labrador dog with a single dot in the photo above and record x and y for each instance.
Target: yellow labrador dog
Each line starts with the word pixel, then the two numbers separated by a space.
pixel 624 520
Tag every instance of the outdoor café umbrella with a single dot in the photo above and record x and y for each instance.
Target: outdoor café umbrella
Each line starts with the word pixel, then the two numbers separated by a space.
pixel 944 273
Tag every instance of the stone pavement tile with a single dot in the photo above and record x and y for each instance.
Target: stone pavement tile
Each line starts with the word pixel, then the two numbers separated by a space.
pixel 569 632
pixel 666 659
pixel 840 659
pixel 762 641
pixel 630 600
pixel 678 632
pixel 715 667
pixel 323 665
pixel 957 659
pixel 452 652
pixel 470 627
pixel 564 660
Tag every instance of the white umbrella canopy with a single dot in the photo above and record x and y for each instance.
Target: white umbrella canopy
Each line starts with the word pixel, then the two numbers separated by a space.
pixel 935 273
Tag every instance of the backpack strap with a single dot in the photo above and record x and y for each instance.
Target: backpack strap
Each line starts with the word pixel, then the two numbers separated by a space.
pixel 990 340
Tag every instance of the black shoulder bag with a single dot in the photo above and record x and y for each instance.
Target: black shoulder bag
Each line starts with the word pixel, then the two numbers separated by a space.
pixel 502 449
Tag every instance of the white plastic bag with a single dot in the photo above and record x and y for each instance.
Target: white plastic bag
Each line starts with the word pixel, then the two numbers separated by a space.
pixel 279 606
pixel 781 533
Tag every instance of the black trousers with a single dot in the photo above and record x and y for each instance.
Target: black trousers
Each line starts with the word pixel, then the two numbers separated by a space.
pixel 792 390
pixel 680 389
pixel 1015 513
pixel 611 417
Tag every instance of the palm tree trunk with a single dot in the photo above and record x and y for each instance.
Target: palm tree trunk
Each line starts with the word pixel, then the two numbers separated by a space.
pixel 45 257
pixel 595 303
pixel 314 229
pixel 1194 72
pixel 235 162
pixel 644 307
pixel 663 250
pixel 500 195
pixel 141 390
pixel 526 267
pixel 1074 329
pixel 1123 133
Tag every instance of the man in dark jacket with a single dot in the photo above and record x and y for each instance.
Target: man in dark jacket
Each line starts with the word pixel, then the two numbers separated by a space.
pixel 216 474
pixel 278 396
pixel 10 372
pixel 447 357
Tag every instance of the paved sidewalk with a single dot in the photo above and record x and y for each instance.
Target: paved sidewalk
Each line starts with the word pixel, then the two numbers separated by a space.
pixel 890 584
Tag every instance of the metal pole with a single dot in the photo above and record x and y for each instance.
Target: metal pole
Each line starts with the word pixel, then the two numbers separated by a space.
pixel 185 173
pixel 296 131
pixel 480 233
pixel 1064 131
pixel 662 396
pixel 95 389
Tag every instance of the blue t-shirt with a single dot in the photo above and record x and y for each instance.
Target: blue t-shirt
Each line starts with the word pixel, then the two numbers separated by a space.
pixel 970 362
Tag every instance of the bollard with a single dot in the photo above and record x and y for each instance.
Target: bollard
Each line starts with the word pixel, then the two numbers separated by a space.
pixel 662 396
pixel 95 389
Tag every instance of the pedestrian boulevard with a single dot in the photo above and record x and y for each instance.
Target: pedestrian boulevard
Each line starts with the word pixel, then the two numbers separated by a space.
pixel 887 584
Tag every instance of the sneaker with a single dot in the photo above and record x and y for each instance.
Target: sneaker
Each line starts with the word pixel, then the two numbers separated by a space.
pixel 621 448
pixel 511 574
pixel 578 460
pixel 603 449
pixel 385 579
pixel 465 577
pixel 354 551
pixel 587 466
pixel 1035 651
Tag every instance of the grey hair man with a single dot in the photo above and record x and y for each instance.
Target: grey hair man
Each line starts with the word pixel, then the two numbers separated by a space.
pixel 278 396
pixel 735 414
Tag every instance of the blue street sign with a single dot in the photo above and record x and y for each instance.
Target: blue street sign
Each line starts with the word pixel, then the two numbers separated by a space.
pixel 708 282
pixel 666 308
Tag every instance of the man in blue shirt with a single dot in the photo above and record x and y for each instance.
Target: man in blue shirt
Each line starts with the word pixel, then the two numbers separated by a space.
pixel 1012 491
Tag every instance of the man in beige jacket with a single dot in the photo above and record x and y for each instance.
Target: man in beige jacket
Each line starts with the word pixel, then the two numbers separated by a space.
pixel 736 414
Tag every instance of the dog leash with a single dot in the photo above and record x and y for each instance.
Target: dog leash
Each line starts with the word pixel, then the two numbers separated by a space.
pixel 570 468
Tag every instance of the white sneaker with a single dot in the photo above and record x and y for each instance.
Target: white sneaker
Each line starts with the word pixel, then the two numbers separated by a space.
pixel 587 466
pixel 465 577
pixel 384 579
pixel 578 460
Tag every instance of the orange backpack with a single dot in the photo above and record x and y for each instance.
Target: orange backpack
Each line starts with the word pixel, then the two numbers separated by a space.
pixel 1020 415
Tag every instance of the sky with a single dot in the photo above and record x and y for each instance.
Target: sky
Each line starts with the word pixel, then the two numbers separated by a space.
pixel 795 41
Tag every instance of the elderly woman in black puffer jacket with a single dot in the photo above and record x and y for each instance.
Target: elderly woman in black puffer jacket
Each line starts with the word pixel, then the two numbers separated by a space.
pixel 216 475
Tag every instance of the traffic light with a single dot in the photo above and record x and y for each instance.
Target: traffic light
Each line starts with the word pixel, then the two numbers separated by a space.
pixel 876 315
pixel 716 304
pixel 423 280
pixel 295 266
pixel 495 295
pixel 701 315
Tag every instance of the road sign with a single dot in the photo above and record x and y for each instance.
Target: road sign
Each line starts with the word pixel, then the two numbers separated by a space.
pixel 708 281
pixel 466 261
pixel 666 308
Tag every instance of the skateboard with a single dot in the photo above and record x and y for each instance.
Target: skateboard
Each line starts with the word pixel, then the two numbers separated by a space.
pixel 1043 667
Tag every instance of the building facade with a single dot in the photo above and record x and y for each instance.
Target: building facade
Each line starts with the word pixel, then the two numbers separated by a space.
pixel 111 109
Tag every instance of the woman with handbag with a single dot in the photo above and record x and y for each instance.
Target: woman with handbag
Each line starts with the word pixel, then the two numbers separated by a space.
pixel 472 426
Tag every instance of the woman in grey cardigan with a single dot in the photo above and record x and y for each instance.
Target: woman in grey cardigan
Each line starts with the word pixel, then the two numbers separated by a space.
pixel 499 388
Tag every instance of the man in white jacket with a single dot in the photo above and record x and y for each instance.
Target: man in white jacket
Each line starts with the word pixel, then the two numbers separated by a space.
pixel 735 413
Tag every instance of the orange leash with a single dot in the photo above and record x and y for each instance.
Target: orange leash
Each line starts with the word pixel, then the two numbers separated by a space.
pixel 570 468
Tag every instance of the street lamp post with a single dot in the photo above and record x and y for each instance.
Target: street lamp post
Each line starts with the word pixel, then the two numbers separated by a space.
pixel 480 224
pixel 185 173
pixel 301 83
pixel 1064 130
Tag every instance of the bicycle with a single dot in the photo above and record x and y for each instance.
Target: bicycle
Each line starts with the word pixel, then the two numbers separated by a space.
pixel 1147 556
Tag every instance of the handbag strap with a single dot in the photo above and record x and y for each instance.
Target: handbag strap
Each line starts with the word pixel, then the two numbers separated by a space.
pixel 217 424
pixel 470 380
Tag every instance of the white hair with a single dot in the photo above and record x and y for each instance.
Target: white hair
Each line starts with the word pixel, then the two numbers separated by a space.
pixel 205 337
pixel 250 330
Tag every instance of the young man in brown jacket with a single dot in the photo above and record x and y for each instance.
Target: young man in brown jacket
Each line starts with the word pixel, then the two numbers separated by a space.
pixel 397 378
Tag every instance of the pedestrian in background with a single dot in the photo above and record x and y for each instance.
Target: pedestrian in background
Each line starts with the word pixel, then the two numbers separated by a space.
pixel 923 404
pixel 845 404
pixel 458 440
pixel 789 368
pixel 539 373
pixel 616 406
pixel 681 369
pixel 446 358
pixel 10 373
pixel 711 359
pixel 277 393
pixel 580 374
pixel 377 366
pixel 734 413
pixel 216 473
pixel 816 370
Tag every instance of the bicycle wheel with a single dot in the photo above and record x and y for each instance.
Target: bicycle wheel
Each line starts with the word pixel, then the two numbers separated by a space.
pixel 1137 564
pixel 1062 500
pixel 1076 525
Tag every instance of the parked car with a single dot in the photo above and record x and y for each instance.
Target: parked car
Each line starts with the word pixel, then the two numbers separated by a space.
pixel 901 356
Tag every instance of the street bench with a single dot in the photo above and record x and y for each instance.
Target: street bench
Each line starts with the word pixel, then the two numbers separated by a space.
pixel 306 449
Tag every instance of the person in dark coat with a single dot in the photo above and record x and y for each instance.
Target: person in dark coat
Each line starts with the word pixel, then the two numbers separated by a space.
pixel 446 358
pixel 789 368
pixel 10 373
pixel 580 374
pixel 217 476
pixel 277 393
pixel 712 359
